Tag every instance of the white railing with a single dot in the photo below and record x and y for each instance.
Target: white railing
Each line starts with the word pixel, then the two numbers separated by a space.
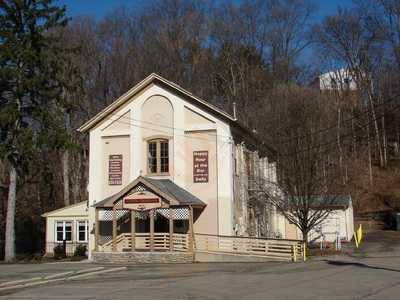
pixel 161 242
pixel 271 248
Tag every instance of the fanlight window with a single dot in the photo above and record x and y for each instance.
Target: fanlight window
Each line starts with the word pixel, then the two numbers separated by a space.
pixel 158 156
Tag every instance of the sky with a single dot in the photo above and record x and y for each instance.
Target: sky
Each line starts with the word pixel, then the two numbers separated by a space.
pixel 99 8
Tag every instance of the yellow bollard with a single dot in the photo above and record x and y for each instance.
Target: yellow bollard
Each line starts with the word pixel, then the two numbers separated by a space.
pixel 355 238
pixel 304 252
pixel 294 253
pixel 359 234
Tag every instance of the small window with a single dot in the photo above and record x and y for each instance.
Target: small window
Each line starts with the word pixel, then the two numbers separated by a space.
pixel 158 156
pixel 63 231
pixel 83 230
pixel 164 156
pixel 153 157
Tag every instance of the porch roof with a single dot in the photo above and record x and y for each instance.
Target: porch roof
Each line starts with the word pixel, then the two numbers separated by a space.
pixel 165 188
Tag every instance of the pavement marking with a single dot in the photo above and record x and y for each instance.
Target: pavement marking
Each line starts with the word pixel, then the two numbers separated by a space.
pixel 53 276
pixel 19 281
pixel 89 270
pixel 65 276
pixel 99 272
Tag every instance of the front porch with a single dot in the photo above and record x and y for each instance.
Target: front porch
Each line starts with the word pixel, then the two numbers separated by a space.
pixel 149 215
pixel 121 230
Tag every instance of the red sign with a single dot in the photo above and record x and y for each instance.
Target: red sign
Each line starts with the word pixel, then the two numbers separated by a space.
pixel 115 169
pixel 200 166
pixel 141 201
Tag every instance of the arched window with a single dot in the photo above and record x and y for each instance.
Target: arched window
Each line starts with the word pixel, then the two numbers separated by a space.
pixel 158 157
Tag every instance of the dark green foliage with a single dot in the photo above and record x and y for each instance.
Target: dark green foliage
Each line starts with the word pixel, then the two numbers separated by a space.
pixel 36 75
pixel 59 252
pixel 80 250
pixel 31 86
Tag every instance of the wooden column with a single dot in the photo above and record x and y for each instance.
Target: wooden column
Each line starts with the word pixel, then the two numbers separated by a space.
pixel 191 235
pixel 133 230
pixel 152 212
pixel 114 229
pixel 96 229
pixel 171 229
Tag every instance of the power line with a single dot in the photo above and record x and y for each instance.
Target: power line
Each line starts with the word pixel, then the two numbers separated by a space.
pixel 335 126
pixel 182 135
pixel 231 140
pixel 331 142
pixel 160 125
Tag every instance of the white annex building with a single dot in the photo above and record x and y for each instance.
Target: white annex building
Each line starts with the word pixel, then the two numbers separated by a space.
pixel 341 79
pixel 169 172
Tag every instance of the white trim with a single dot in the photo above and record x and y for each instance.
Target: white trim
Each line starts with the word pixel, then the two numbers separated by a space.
pixel 63 231
pixel 86 231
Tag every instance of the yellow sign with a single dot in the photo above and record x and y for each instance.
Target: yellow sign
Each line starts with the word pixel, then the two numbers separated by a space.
pixel 358 234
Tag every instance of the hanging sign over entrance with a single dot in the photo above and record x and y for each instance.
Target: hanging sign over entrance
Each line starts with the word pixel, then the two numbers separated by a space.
pixel 115 169
pixel 141 201
pixel 200 166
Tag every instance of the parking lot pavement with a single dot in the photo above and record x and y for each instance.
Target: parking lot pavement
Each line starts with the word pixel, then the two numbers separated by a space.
pixel 331 278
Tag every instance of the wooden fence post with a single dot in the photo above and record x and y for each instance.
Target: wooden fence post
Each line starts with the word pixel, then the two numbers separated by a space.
pixel 191 233
pixel 171 230
pixel 114 229
pixel 133 230
pixel 96 230
pixel 152 212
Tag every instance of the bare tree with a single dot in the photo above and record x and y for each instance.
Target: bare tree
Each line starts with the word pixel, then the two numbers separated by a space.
pixel 287 28
pixel 354 39
pixel 308 172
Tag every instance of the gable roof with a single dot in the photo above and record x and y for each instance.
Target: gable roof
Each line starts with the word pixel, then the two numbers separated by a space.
pixel 175 191
pixel 165 188
pixel 65 209
pixel 155 78
pixel 332 201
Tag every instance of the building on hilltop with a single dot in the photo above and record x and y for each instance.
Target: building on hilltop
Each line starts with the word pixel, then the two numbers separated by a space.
pixel 337 80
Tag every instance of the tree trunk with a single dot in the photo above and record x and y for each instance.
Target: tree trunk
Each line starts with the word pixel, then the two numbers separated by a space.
pixel 371 178
pixel 65 164
pixel 305 236
pixel 376 129
pixel 384 142
pixel 77 177
pixel 10 218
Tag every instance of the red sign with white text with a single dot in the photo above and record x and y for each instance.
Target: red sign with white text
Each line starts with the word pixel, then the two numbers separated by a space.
pixel 115 169
pixel 200 166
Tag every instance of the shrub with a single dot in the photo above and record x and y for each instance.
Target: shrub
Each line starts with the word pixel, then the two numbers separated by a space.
pixel 37 257
pixel 59 252
pixel 80 250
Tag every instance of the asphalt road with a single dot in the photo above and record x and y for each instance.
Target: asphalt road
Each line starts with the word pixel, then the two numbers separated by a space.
pixel 333 278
